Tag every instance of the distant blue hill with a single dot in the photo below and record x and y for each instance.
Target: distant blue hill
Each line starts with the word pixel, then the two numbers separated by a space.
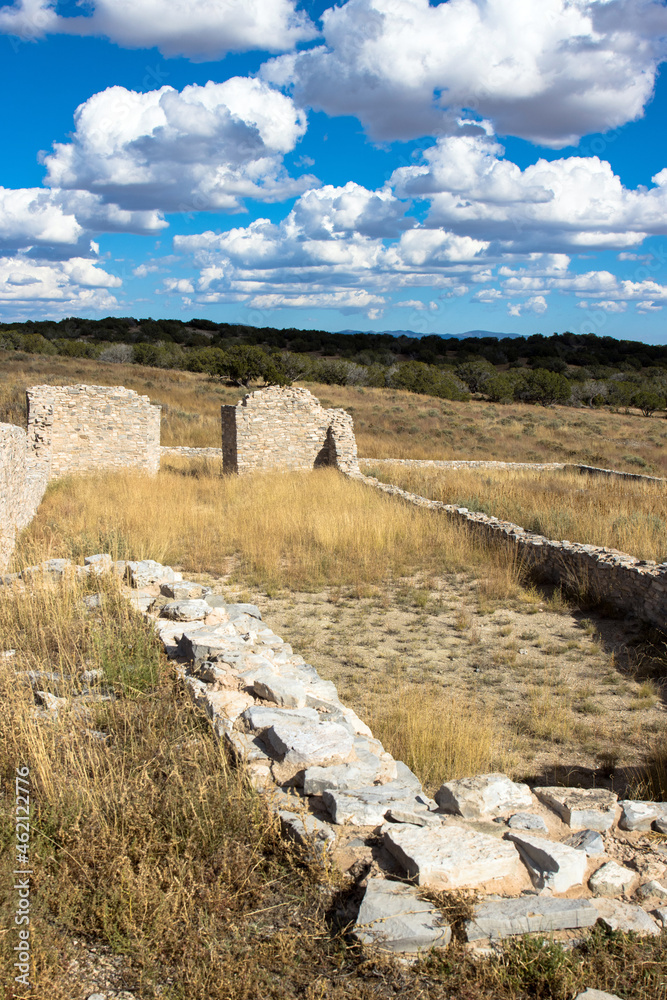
pixel 443 336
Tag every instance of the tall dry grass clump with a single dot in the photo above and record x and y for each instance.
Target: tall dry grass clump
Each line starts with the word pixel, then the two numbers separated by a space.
pixel 628 515
pixel 298 531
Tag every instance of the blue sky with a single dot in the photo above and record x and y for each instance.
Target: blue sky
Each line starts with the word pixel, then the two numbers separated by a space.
pixel 380 164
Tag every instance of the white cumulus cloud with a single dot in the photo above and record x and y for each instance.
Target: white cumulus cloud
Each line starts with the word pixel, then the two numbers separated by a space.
pixel 574 202
pixel 70 285
pixel 550 71
pixel 199 29
pixel 203 148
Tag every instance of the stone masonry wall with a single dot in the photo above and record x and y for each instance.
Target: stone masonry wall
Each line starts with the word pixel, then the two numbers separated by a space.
pixel 286 428
pixel 12 487
pixel 635 586
pixel 94 427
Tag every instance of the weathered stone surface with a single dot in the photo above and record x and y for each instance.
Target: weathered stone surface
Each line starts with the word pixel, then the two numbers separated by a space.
pixel 611 879
pixel 307 831
pixel 147 571
pixel 589 808
pixel 451 857
pixel 527 821
pixel 589 841
pixel 228 703
pixel 620 916
pixel 317 780
pixel 281 690
pixel 182 590
pixel 248 747
pixel 639 815
pixel 263 716
pixel 185 611
pixel 50 701
pixel 393 918
pixel 204 643
pixel 552 865
pixel 416 817
pixel 485 795
pixel 652 890
pixel 660 824
pixel 101 562
pixel 307 745
pixel 590 994
pixel 661 915
pixel 141 602
pixel 237 610
pixel 500 918
pixel 368 806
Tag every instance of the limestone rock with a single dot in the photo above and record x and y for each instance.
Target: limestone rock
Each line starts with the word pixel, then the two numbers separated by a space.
pixel 236 610
pixel 611 879
pixel 185 611
pixel 310 745
pixel 500 918
pixel 589 808
pixel 182 590
pixel 99 563
pixel 451 857
pixel 368 806
pixel 392 917
pixel 260 717
pixel 652 890
pixel 552 865
pixel 228 703
pixel 620 916
pixel 147 571
pixel 50 701
pixel 527 821
pixel 639 815
pixel 307 831
pixel 317 780
pixel 141 603
pixel 205 643
pixel 660 824
pixel 589 841
pixel 281 690
pixel 661 915
pixel 485 795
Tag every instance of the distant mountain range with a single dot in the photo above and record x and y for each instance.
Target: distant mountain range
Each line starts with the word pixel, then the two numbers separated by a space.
pixel 444 336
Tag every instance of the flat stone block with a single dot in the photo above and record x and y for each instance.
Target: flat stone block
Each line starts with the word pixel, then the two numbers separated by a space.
pixel 639 815
pixel 500 918
pixel 393 918
pixel 590 808
pixel 552 865
pixel 185 611
pixel 368 806
pixel 451 857
pixel 589 841
pixel 527 821
pixel 260 717
pixel 611 880
pixel 484 795
pixel 596 995
pixel 309 745
pixel 619 916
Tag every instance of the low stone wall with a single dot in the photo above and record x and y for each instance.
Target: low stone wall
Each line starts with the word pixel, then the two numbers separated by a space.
pixel 634 586
pixel 186 452
pixel 456 463
pixel 95 427
pixel 12 487
pixel 286 428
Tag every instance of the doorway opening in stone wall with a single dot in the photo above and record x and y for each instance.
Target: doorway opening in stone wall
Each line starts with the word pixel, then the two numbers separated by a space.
pixel 327 455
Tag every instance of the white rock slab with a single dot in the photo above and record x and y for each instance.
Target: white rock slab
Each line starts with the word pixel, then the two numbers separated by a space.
pixel 451 857
pixel 393 918
pixel 263 716
pixel 552 865
pixel 527 821
pixel 368 806
pixel 661 915
pixel 280 690
pixel 484 795
pixel 581 808
pixel 619 916
pixel 589 841
pixel 652 890
pixel 185 611
pixel 639 815
pixel 500 918
pixel 317 780
pixel 611 879
pixel 310 745
pixel 182 590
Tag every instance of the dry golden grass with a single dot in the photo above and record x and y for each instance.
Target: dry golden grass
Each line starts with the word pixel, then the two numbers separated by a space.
pixel 620 514
pixel 388 423
pixel 284 530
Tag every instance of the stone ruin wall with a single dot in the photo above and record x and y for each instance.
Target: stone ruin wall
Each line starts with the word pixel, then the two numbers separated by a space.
pixel 286 428
pixel 71 429
pixel 95 427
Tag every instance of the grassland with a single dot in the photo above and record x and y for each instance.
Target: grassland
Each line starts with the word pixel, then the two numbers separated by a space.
pixel 629 515
pixel 388 423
